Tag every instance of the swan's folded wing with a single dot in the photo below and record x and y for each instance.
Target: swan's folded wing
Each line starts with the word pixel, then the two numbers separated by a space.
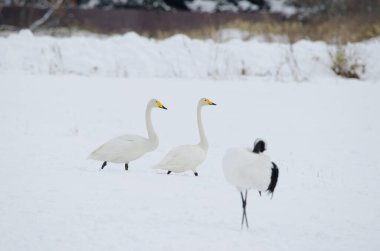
pixel 166 162
pixel 116 148
pixel 180 157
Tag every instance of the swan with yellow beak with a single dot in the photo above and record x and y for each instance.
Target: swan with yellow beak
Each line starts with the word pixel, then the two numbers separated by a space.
pixel 188 157
pixel 126 148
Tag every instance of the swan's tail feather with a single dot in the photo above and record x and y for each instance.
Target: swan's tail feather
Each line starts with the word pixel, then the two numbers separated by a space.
pixel 156 167
pixel 162 167
pixel 95 156
pixel 167 168
pixel 89 156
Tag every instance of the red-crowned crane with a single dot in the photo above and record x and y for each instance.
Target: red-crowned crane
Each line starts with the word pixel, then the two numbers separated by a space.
pixel 250 169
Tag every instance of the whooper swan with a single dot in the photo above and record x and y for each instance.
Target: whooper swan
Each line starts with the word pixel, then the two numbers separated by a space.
pixel 188 157
pixel 126 148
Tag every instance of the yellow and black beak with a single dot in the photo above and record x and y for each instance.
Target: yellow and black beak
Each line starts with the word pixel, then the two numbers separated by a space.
pixel 160 105
pixel 209 102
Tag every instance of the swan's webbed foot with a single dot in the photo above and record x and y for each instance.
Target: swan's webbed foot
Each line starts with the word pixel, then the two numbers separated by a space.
pixel 104 164
pixel 195 173
pixel 126 166
pixel 169 172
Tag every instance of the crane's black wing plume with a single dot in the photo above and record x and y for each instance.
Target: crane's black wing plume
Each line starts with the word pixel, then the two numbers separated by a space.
pixel 273 179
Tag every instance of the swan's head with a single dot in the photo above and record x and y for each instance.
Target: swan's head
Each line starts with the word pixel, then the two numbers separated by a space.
pixel 259 146
pixel 154 103
pixel 205 101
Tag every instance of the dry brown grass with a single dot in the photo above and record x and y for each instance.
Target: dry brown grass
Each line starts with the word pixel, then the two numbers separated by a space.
pixel 336 31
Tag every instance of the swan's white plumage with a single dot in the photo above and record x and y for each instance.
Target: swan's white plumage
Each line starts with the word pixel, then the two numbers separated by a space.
pixel 183 158
pixel 247 170
pixel 122 149
pixel 126 148
pixel 188 157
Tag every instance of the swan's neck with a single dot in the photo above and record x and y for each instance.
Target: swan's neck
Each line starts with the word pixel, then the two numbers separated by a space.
pixel 148 118
pixel 203 140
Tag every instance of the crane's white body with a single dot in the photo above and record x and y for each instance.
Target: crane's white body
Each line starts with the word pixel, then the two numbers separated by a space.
pixel 188 157
pixel 126 148
pixel 247 170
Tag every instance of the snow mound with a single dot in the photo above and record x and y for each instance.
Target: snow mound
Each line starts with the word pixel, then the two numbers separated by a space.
pixel 131 55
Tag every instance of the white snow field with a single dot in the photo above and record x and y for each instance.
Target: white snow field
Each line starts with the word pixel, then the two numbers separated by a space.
pixel 60 98
pixel 324 135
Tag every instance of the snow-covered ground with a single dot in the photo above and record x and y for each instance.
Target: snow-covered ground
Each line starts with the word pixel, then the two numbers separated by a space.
pixel 131 55
pixel 324 136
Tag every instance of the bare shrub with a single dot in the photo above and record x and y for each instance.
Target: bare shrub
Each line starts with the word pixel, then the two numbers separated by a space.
pixel 346 64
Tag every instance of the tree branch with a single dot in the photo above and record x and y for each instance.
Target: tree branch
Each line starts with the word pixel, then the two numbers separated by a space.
pixel 46 16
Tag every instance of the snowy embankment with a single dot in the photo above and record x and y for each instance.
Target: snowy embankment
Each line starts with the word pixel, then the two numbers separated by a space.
pixel 131 55
pixel 324 136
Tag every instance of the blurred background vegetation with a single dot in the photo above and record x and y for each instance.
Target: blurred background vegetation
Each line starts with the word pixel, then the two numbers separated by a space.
pixel 333 21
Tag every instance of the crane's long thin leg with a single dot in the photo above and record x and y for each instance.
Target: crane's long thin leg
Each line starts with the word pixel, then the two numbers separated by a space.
pixel 260 193
pixel 245 204
pixel 104 164
pixel 169 172
pixel 244 201
pixel 242 219
pixel 126 166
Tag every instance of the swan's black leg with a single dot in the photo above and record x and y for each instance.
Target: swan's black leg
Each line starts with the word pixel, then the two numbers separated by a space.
pixel 126 166
pixel 104 164
pixel 169 172
pixel 195 173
